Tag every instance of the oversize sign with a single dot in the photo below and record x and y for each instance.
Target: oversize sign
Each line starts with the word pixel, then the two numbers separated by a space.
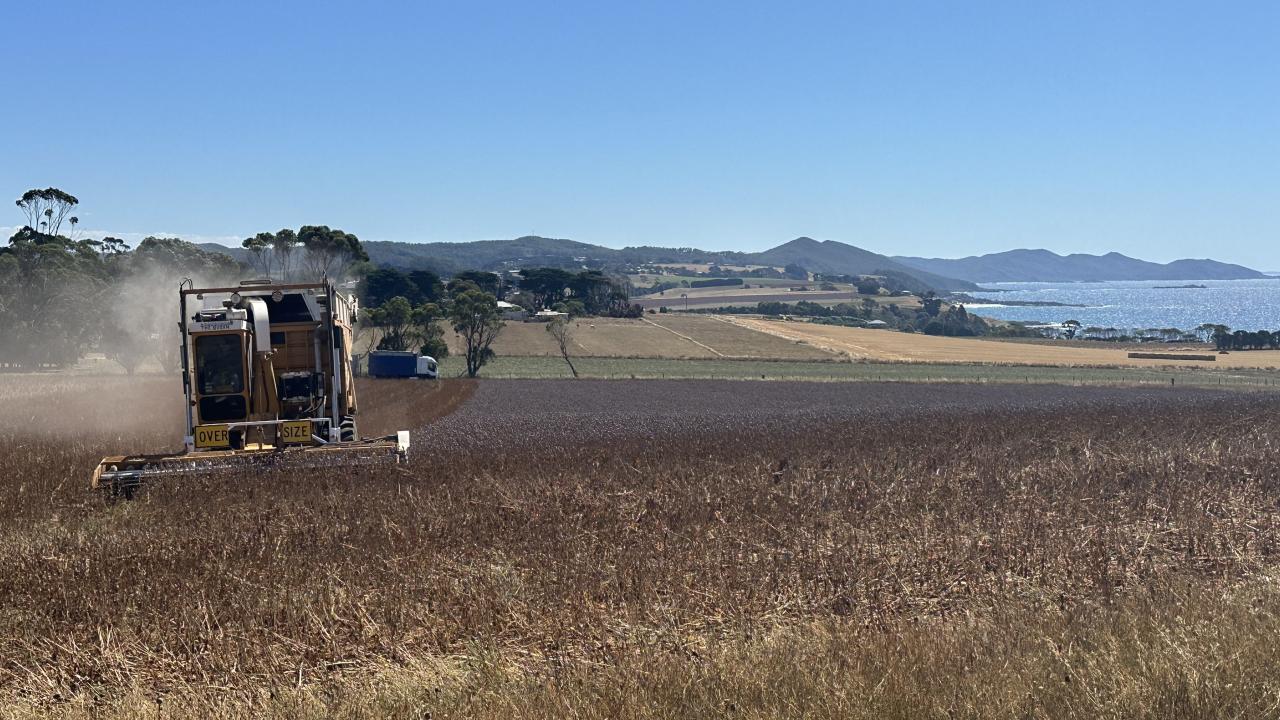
pixel 295 432
pixel 212 436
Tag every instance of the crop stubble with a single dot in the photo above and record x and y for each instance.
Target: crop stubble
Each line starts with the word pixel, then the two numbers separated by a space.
pixel 566 528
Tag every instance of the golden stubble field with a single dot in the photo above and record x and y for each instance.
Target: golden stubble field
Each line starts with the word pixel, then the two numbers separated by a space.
pixel 656 549
pixel 709 337
pixel 890 346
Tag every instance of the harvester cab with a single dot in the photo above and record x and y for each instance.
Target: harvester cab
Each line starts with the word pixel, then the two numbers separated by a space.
pixel 267 378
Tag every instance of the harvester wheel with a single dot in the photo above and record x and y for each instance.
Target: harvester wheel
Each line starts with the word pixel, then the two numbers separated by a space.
pixel 347 429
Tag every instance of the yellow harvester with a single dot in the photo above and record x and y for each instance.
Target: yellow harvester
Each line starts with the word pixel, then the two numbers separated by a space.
pixel 267 377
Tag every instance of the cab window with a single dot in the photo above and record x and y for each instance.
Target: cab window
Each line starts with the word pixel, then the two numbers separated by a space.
pixel 219 364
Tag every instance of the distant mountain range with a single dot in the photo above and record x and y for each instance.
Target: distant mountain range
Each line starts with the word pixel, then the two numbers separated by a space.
pixel 823 257
pixel 1046 266
pixel 828 256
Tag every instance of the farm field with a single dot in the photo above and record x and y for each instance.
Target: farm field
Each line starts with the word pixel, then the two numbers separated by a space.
pixel 651 549
pixel 674 345
pixel 594 337
pixel 706 267
pixel 648 280
pixel 878 345
pixel 718 291
pixel 657 336
pixel 548 367
pixel 706 298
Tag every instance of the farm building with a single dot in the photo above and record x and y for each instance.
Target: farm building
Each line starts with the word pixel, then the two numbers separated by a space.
pixel 546 316
pixel 511 311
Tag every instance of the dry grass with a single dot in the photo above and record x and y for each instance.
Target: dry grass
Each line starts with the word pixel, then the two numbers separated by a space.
pixel 880 345
pixel 1104 559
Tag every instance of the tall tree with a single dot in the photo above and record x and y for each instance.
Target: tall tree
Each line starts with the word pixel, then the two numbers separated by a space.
pixel 110 246
pixel 394 319
pixel 428 317
pixel 593 288
pixel 329 252
pixel 380 285
pixel 47 207
pixel 559 329
pixel 486 281
pixel 428 284
pixel 48 287
pixel 283 244
pixel 171 259
pixel 398 325
pixel 260 252
pixel 547 286
pixel 475 317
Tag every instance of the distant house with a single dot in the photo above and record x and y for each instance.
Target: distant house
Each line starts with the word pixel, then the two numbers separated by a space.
pixel 546 316
pixel 511 311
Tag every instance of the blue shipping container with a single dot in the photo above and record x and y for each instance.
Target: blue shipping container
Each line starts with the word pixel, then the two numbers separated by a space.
pixel 393 364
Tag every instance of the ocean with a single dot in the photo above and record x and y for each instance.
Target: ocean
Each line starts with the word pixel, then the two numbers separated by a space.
pixel 1238 304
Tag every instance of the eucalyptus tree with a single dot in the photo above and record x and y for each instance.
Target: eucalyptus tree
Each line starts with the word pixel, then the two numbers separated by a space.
pixel 51 204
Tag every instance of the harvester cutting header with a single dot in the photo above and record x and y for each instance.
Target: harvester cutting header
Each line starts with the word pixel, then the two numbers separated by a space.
pixel 267 376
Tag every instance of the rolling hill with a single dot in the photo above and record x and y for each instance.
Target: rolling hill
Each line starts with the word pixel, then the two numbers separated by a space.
pixel 830 256
pixel 1046 266
pixel 823 257
pixel 827 256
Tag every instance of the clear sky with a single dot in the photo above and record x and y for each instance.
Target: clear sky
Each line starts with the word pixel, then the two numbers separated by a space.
pixel 941 129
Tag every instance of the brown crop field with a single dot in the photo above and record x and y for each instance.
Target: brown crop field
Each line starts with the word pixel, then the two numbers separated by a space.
pixel 647 549
pixel 889 346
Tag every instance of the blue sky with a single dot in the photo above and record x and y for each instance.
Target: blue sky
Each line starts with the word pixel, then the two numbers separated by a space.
pixel 939 129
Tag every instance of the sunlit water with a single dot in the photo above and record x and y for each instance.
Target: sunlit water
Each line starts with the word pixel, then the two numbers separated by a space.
pixel 1239 304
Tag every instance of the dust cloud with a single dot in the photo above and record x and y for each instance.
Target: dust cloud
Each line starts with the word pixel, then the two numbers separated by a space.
pixel 127 382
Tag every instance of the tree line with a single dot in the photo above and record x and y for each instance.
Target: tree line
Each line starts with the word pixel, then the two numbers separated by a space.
pixel 587 292
pixel 407 311
pixel 933 317
pixel 1225 339
pixel 63 296
pixel 61 299
pixel 310 253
